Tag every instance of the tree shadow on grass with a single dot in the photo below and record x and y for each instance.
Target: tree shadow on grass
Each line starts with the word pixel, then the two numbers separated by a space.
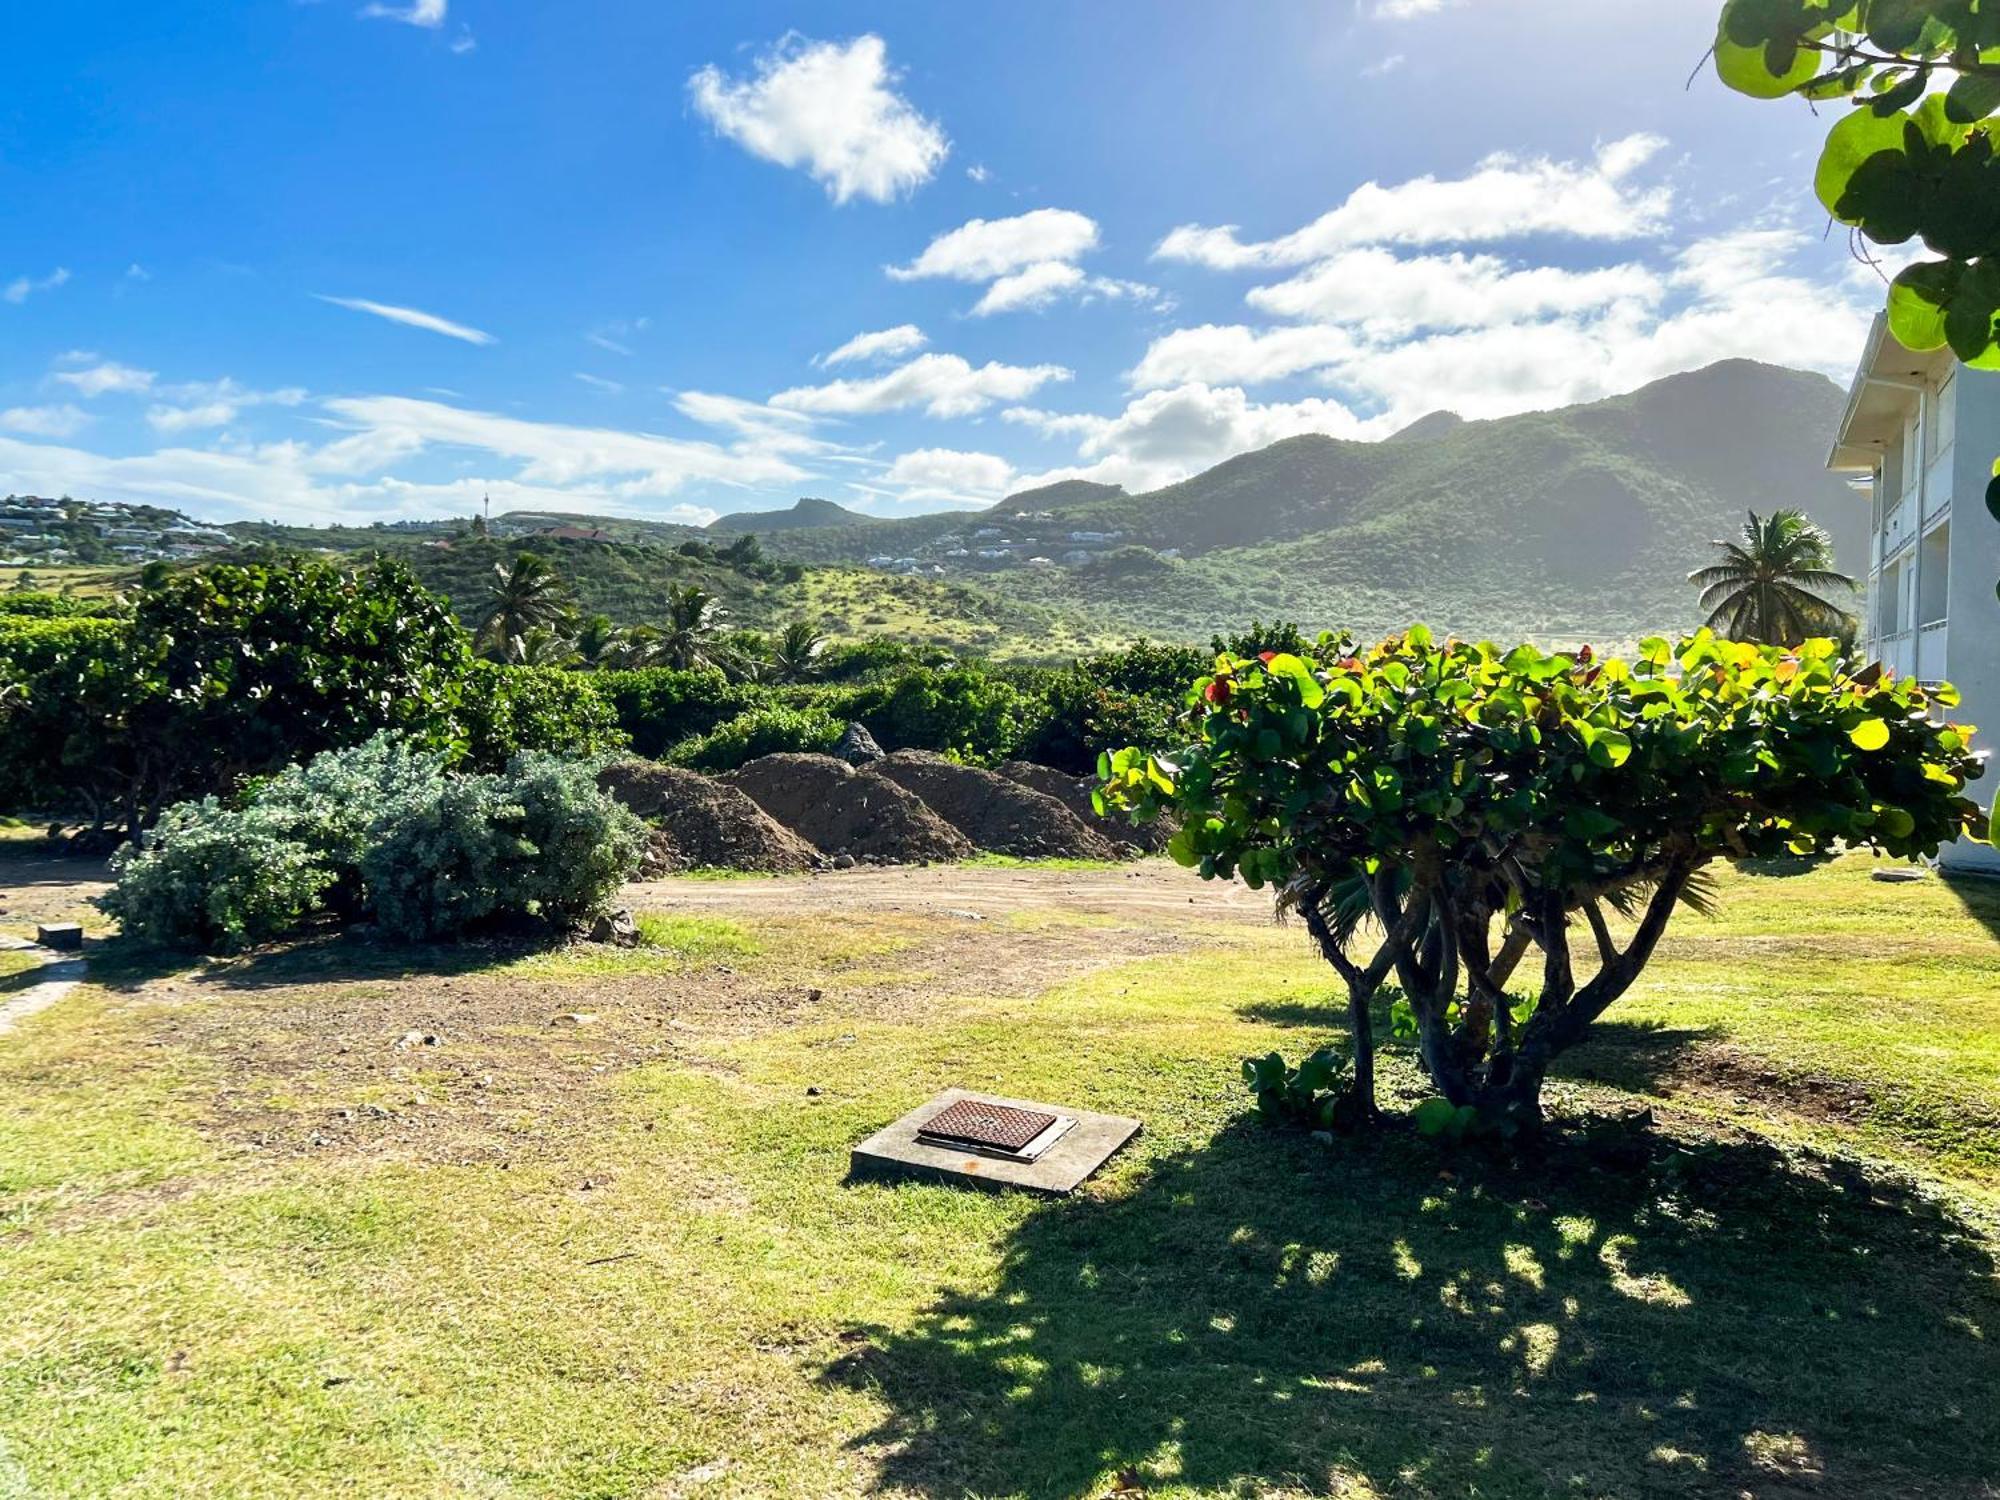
pixel 1980 896
pixel 332 957
pixel 1263 1314
pixel 1637 1056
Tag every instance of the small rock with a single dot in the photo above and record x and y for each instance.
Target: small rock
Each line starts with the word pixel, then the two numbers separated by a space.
pixel 573 1018
pixel 843 861
pixel 813 1091
pixel 813 996
pixel 1897 874
pixel 617 928
pixel 857 746
pixel 963 915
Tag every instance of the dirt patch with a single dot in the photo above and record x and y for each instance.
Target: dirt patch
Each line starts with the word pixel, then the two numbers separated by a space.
pixel 992 811
pixel 1073 792
pixel 702 823
pixel 825 802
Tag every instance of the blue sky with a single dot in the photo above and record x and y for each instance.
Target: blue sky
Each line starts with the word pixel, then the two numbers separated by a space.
pixel 340 260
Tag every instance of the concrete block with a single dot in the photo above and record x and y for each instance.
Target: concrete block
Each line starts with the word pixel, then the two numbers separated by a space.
pixel 895 1151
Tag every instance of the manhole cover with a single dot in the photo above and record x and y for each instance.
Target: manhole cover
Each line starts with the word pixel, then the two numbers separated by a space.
pixel 998 1127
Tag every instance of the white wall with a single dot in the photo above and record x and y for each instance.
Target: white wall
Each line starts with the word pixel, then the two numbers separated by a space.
pixel 1972 650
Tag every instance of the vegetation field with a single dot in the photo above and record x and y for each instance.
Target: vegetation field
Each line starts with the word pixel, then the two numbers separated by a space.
pixel 335 1218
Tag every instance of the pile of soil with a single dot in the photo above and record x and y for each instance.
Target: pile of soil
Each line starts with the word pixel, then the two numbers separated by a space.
pixel 702 823
pixel 1073 792
pixel 990 810
pixel 825 802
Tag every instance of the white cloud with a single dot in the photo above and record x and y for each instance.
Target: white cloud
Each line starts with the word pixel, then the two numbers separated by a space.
pixel 1166 435
pixel 1728 296
pixel 599 383
pixel 45 421
pixel 413 318
pixel 1389 294
pixel 1383 66
pixel 948 476
pixel 555 454
pixel 887 343
pixel 108 378
pixel 616 336
pixel 944 385
pixel 1504 197
pixel 1408 10
pixel 212 403
pixel 830 108
pixel 1033 286
pixel 758 427
pixel 978 173
pixel 1229 354
pixel 428 14
pixel 21 288
pixel 1028 261
pixel 291 482
pixel 981 249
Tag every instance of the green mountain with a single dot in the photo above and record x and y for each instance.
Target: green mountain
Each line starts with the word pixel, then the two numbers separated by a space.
pixel 806 514
pixel 1576 523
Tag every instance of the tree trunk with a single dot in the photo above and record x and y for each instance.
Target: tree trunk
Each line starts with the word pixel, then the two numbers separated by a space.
pixel 1361 1025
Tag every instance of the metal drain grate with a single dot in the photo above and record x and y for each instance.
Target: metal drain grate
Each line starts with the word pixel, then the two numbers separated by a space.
pixel 997 1127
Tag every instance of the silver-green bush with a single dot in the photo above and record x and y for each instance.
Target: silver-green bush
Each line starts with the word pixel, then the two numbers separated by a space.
pixel 382 829
pixel 538 841
pixel 217 878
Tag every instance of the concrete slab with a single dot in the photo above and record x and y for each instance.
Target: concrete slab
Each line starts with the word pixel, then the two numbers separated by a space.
pixel 895 1152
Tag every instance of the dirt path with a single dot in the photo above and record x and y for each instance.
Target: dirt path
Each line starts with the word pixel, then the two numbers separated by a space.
pixel 1149 889
pixel 44 986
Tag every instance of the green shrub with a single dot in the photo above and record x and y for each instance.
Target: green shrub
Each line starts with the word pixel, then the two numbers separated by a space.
pixel 540 841
pixel 216 878
pixel 762 731
pixel 657 707
pixel 332 804
pixel 969 710
pixel 511 710
pixel 33 604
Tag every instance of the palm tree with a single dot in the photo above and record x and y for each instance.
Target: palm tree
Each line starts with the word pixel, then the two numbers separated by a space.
pixel 540 646
pixel 795 654
pixel 529 594
pixel 598 640
pixel 690 635
pixel 1771 584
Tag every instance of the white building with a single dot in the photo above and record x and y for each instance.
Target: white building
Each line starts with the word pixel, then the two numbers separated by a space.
pixel 1924 431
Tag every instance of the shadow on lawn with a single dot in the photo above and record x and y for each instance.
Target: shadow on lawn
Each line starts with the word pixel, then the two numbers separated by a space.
pixel 330 958
pixel 1980 896
pixel 1633 1055
pixel 1262 1314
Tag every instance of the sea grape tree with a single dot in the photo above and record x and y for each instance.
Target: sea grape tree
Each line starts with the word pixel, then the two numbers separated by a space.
pixel 1912 158
pixel 1453 815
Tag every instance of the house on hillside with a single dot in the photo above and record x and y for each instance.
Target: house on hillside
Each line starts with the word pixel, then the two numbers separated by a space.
pixel 1920 433
pixel 575 534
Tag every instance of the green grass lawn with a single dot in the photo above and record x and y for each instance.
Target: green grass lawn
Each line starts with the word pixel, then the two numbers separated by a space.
pixel 259 1237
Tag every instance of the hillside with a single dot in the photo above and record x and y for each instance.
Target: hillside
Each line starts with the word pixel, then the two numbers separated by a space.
pixel 806 514
pixel 629 582
pixel 1581 522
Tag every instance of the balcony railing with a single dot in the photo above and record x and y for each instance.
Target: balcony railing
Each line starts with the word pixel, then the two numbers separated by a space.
pixel 1937 486
pixel 1897 652
pixel 1930 665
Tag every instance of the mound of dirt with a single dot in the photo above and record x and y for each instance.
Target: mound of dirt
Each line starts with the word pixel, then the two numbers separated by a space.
pixel 1073 792
pixel 990 810
pixel 823 801
pixel 702 823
